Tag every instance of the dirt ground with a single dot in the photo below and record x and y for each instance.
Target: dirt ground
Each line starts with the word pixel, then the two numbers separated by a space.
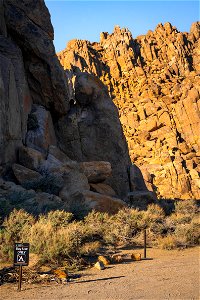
pixel 165 275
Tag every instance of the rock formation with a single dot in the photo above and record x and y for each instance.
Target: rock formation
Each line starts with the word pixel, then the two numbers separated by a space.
pixel 29 71
pixel 91 131
pixel 154 81
pixel 60 147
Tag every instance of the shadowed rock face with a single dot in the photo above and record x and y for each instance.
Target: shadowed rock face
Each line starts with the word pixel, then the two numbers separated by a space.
pixel 29 71
pixel 28 23
pixel 91 131
pixel 154 82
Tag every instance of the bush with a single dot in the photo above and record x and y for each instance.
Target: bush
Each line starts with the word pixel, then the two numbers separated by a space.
pixel 97 224
pixel 57 218
pixel 188 234
pixel 154 213
pixel 124 226
pixel 14 230
pixel 186 207
pixel 168 242
pixel 18 222
pixel 58 239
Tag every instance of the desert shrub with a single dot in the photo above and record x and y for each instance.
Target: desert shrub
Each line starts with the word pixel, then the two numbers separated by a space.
pixel 188 234
pixel 96 224
pixel 13 230
pixel 178 218
pixel 185 212
pixel 186 207
pixel 17 222
pixel 57 237
pixel 168 242
pixel 154 213
pixel 123 226
pixel 184 235
pixel 57 245
pixel 57 218
pixel 90 248
pixel 39 236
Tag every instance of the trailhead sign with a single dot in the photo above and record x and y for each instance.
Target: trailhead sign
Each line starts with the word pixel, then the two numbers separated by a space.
pixel 21 254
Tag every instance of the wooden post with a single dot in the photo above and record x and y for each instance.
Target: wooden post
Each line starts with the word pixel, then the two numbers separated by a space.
pixel 20 279
pixel 145 243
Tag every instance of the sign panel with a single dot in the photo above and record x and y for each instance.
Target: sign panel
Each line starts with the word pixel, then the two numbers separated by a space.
pixel 21 254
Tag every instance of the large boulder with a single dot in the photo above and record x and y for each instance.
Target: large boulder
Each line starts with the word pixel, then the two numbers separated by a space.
pixel 96 171
pixel 58 154
pixel 82 203
pixel 102 188
pixel 41 131
pixel 15 100
pixel 25 175
pixel 15 196
pixel 74 181
pixel 30 158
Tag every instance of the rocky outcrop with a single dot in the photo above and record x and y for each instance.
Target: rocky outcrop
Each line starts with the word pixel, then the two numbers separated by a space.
pixel 29 71
pixel 154 81
pixel 15 196
pixel 91 131
pixel 28 25
pixel 15 98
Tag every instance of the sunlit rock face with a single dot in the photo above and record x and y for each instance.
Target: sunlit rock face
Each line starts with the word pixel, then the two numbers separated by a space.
pixel 154 81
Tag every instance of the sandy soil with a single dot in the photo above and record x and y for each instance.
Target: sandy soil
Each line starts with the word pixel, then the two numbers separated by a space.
pixel 167 275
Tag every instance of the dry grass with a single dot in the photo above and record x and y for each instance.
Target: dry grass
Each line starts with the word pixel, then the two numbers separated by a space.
pixel 60 240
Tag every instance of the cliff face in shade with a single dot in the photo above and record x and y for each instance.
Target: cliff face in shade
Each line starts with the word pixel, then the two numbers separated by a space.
pixel 91 131
pixel 154 81
pixel 29 71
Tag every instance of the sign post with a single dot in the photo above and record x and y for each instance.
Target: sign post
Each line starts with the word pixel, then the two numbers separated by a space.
pixel 21 258
pixel 145 243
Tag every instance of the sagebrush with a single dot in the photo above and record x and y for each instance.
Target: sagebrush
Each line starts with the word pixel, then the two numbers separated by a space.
pixel 59 239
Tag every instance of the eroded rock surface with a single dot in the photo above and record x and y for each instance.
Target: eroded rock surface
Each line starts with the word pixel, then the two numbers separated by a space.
pixel 91 131
pixel 29 71
pixel 154 81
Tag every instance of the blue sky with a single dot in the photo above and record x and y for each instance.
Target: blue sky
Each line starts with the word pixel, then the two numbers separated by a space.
pixel 86 19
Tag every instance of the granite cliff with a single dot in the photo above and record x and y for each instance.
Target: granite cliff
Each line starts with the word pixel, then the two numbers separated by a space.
pixel 154 81
pixel 60 147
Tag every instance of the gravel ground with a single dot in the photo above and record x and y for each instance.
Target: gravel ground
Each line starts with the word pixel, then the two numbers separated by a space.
pixel 165 275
